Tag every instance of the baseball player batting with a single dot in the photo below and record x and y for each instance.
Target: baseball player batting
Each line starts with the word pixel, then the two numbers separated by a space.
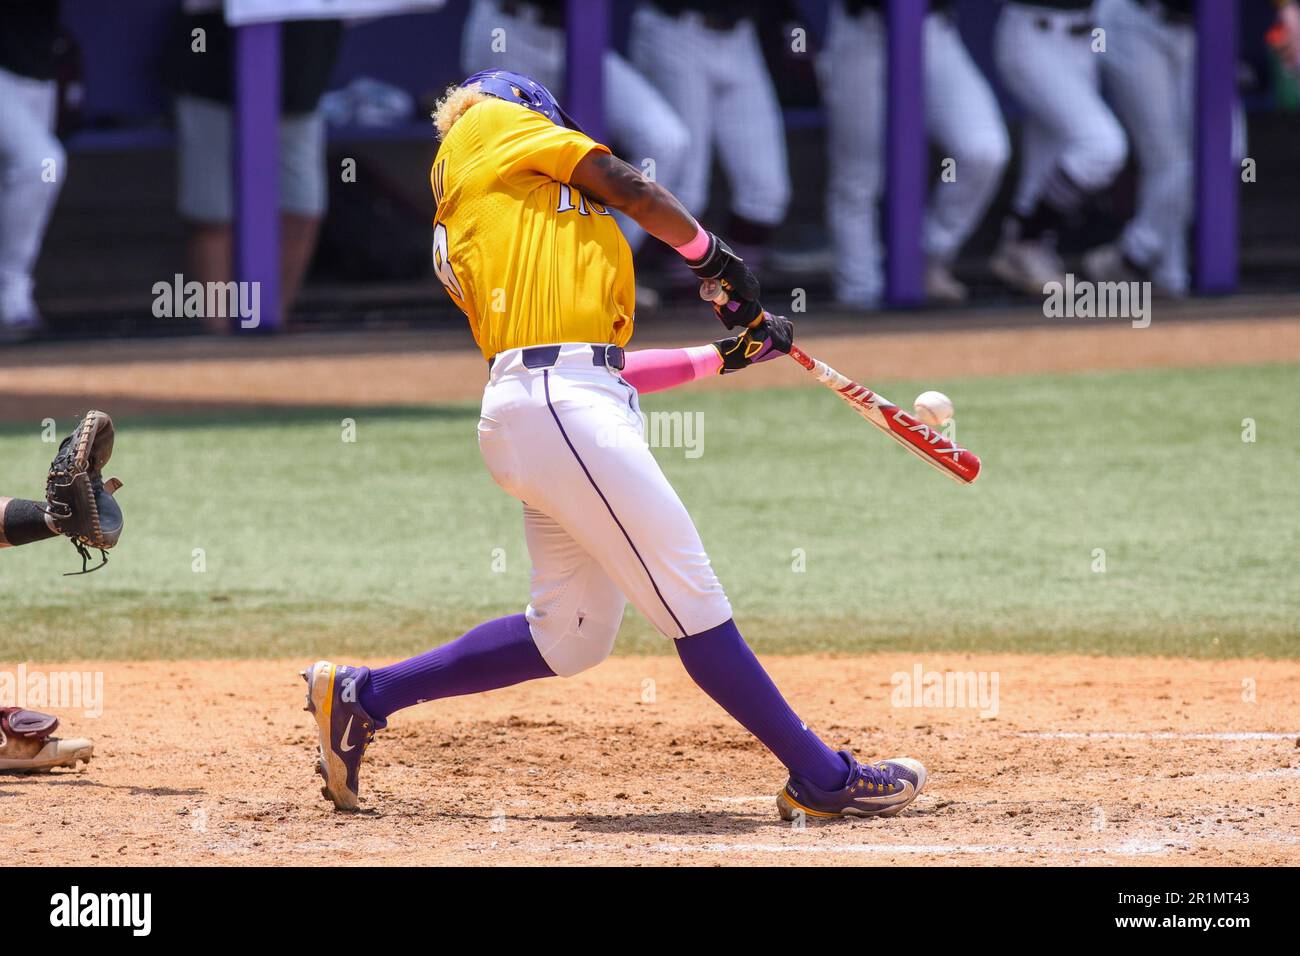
pixel 79 504
pixel 525 245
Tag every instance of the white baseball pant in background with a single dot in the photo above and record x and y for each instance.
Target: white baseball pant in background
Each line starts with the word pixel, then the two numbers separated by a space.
pixel 1055 76
pixel 641 123
pixel 1150 75
pixel 602 522
pixel 718 83
pixel 962 116
pixel 27 196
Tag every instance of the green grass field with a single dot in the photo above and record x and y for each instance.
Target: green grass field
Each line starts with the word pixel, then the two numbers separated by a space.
pixel 386 546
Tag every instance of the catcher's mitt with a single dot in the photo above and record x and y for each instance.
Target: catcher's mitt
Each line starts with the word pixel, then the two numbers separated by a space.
pixel 81 503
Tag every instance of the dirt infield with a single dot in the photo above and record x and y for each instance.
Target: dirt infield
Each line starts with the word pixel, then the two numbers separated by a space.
pixel 1087 761
pixel 369 370
pixel 1092 761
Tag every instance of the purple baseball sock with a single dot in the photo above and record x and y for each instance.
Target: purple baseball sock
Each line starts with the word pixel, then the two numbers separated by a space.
pixel 726 669
pixel 495 654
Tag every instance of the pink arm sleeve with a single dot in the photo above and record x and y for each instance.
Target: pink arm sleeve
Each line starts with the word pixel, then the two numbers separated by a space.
pixel 653 370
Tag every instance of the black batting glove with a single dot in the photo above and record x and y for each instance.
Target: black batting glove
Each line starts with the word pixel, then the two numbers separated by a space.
pixel 741 286
pixel 773 335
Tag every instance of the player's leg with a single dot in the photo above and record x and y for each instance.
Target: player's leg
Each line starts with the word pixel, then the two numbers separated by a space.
pixel 1047 63
pixel 569 626
pixel 1150 73
pixel 1067 100
pixel 674 54
pixel 350 703
pixel 854 61
pixel 747 112
pixel 1025 265
pixel 32 170
pixel 1039 153
pixel 575 609
pixel 590 469
pixel 964 119
pixel 303 198
pixel 645 129
pixel 205 192
pixel 1172 273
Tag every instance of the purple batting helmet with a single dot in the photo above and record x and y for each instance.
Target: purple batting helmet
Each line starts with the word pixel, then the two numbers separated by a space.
pixel 524 90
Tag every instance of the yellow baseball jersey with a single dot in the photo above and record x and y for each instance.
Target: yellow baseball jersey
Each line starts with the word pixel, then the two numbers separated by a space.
pixel 529 259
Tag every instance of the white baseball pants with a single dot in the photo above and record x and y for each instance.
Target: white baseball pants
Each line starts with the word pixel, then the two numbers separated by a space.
pixel 1055 76
pixel 1150 74
pixel 603 524
pixel 28 148
pixel 718 82
pixel 962 116
pixel 641 123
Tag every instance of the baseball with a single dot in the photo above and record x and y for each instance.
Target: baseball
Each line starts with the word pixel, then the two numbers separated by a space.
pixel 933 408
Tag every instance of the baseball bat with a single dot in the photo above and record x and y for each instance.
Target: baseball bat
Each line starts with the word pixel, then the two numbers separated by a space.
pixel 917 437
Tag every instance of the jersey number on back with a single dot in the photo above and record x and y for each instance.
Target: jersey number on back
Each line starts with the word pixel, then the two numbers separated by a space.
pixel 442 262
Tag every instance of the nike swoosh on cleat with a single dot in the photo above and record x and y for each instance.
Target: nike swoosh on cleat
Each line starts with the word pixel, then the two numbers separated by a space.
pixel 891 799
pixel 347 732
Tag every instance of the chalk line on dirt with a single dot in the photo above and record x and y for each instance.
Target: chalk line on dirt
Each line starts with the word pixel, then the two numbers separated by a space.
pixel 1126 848
pixel 1152 735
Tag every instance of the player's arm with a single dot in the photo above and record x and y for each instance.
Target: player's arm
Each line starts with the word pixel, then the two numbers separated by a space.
pixel 618 185
pixel 654 370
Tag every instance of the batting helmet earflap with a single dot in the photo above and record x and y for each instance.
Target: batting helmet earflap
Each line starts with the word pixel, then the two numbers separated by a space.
pixel 524 90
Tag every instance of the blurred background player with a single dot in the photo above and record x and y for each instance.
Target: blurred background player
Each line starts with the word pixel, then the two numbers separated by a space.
pixel 963 117
pixel 529 38
pixel 1150 75
pixel 32 161
pixel 202 81
pixel 705 57
pixel 1072 146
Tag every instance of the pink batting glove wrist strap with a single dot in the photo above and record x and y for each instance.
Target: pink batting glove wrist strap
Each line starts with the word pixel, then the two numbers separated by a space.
pixel 697 247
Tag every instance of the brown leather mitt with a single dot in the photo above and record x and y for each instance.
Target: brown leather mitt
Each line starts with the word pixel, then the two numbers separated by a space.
pixel 81 503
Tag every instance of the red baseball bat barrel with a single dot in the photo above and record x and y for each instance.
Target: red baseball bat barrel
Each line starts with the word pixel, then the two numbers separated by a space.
pixel 917 437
